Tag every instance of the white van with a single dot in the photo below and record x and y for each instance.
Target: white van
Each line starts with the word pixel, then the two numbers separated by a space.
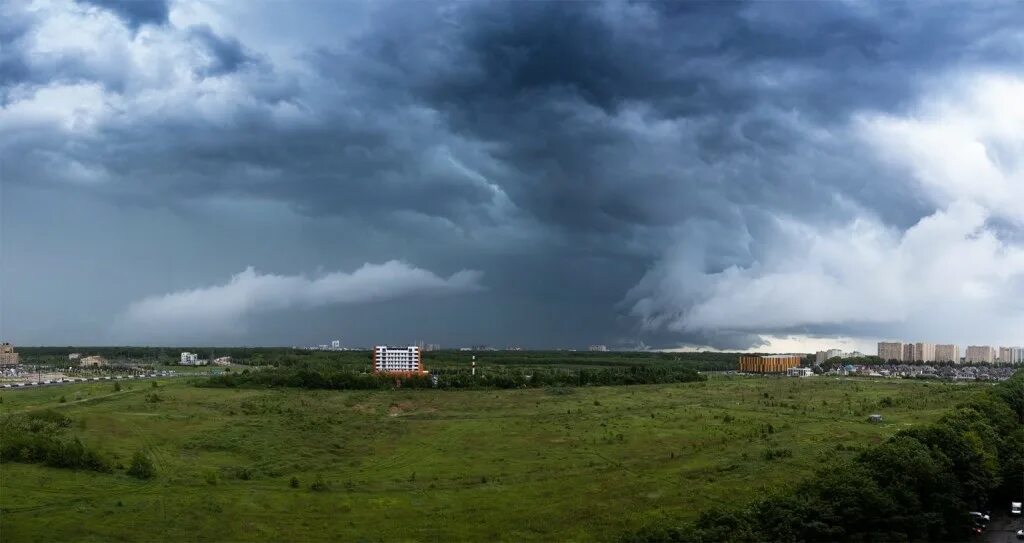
pixel 1015 508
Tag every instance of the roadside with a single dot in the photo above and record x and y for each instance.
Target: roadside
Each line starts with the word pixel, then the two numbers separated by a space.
pixel 1003 529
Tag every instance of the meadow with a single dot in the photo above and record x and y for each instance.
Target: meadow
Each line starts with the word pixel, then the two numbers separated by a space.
pixel 589 463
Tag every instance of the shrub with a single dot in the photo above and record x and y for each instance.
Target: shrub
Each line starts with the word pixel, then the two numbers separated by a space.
pixel 141 466
pixel 117 387
pixel 319 485
pixel 294 483
pixel 244 474
pixel 772 453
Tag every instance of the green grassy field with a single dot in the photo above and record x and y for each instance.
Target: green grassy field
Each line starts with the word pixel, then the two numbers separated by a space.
pixel 582 464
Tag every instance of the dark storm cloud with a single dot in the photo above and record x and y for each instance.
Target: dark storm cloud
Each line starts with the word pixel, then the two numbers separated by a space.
pixel 595 131
pixel 135 12
pixel 227 54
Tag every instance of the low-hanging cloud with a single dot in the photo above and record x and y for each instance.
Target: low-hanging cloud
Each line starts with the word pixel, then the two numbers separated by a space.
pixel 954 273
pixel 222 309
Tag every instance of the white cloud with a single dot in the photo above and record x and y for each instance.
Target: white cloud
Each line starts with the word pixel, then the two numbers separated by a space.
pixel 965 145
pixel 952 276
pixel 222 309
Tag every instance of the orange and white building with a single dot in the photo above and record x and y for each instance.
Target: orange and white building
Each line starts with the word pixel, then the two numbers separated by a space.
pixel 772 363
pixel 397 359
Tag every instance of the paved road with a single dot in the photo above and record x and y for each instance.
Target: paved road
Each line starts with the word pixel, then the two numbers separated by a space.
pixel 1003 530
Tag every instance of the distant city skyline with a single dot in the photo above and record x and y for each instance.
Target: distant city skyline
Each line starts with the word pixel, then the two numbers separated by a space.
pixel 746 176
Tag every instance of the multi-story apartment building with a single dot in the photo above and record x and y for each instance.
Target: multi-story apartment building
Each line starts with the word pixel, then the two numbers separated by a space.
pixel 821 356
pixel 397 359
pixel 7 355
pixel 980 353
pixel 925 352
pixel 909 352
pixel 191 359
pixel 947 353
pixel 1011 355
pixel 890 350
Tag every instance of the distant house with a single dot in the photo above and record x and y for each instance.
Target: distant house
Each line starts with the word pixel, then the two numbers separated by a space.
pixel 222 361
pixel 75 356
pixel 93 362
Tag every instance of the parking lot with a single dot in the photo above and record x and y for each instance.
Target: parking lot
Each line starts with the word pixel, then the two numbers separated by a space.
pixel 71 380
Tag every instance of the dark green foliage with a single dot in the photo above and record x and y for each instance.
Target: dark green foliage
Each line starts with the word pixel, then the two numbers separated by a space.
pixel 918 485
pixel 772 453
pixel 36 439
pixel 117 387
pixel 141 467
pixel 326 378
pixel 294 483
pixel 319 485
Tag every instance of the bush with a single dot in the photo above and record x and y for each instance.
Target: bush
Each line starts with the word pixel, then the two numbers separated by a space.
pixel 319 485
pixel 36 439
pixel 117 387
pixel 244 474
pixel 294 483
pixel 772 454
pixel 141 466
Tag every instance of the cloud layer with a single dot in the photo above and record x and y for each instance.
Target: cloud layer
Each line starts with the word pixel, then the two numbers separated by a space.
pixel 673 172
pixel 210 312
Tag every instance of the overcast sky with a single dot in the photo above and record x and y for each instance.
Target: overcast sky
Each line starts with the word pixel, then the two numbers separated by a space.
pixel 734 175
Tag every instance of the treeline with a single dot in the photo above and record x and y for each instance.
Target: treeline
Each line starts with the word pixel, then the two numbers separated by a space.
pixel 36 439
pixel 918 485
pixel 360 360
pixel 340 379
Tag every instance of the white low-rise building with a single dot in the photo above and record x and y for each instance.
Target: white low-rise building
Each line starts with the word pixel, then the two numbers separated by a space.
pixel 799 372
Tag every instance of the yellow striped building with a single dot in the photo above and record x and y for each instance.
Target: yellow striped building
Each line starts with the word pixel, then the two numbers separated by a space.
pixel 772 363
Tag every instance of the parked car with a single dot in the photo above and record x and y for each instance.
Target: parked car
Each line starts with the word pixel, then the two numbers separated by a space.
pixel 1015 508
pixel 1020 534
pixel 979 516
